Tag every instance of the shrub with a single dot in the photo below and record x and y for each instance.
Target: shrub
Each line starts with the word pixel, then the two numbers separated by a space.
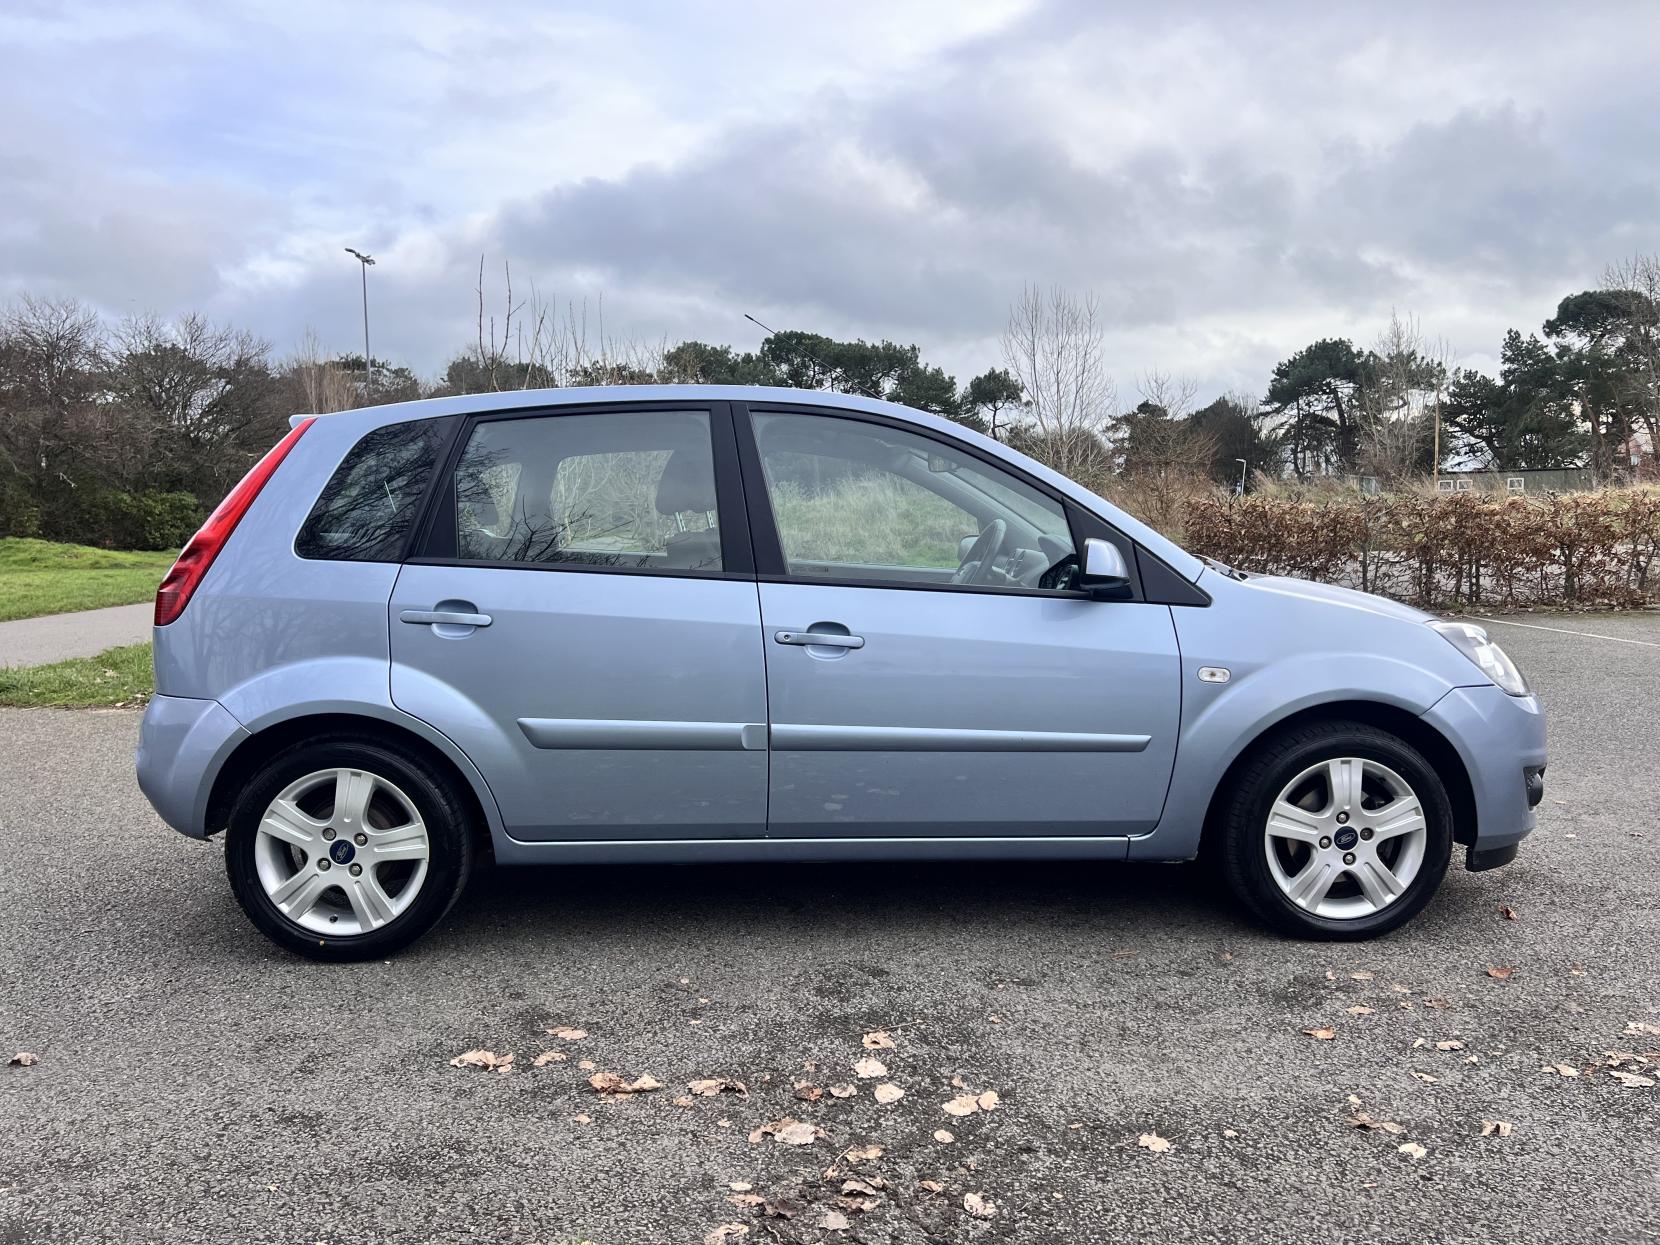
pixel 1463 549
pixel 115 519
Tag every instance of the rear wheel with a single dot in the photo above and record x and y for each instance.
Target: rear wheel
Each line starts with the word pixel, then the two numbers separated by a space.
pixel 344 850
pixel 1337 830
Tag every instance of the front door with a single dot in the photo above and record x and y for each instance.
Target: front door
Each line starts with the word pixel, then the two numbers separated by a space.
pixel 931 672
pixel 578 624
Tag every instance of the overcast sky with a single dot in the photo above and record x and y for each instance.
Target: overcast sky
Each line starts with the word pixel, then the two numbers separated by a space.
pixel 1233 180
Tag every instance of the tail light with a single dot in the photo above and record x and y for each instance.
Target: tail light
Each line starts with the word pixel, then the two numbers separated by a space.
pixel 180 583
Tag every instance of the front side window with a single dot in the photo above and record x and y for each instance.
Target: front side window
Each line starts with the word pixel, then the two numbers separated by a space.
pixel 364 511
pixel 633 489
pixel 862 501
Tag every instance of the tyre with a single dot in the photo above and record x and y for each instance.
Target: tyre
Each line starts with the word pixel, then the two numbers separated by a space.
pixel 1336 830
pixel 340 849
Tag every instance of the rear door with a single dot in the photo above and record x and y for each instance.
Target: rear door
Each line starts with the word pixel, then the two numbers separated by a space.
pixel 581 618
pixel 931 671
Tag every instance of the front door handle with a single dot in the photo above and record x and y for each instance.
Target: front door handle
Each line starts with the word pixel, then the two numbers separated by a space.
pixel 829 639
pixel 453 618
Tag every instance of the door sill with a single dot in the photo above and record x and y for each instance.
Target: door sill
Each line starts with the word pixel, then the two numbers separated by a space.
pixel 690 851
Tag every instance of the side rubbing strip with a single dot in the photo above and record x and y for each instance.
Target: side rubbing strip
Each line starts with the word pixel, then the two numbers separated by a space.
pixel 787 738
pixel 593 733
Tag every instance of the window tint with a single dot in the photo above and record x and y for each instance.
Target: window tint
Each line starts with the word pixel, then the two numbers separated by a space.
pixel 366 508
pixel 864 501
pixel 628 489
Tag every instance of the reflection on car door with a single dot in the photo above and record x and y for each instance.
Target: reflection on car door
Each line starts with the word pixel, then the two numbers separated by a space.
pixel 929 672
pixel 578 624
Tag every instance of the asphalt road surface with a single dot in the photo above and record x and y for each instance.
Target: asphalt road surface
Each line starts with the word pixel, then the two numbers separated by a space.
pixel 84 633
pixel 195 1084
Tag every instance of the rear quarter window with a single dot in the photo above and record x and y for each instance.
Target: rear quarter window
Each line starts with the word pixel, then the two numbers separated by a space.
pixel 365 511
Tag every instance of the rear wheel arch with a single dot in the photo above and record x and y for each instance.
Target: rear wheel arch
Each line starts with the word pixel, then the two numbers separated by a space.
pixel 254 751
pixel 1411 729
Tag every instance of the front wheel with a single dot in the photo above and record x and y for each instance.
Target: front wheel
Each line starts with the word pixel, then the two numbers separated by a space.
pixel 346 850
pixel 1337 830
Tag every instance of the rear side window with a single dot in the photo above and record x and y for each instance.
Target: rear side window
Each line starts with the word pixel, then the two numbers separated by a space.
pixel 366 508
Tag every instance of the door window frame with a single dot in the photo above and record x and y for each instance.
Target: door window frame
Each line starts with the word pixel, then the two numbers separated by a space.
pixel 771 566
pixel 434 544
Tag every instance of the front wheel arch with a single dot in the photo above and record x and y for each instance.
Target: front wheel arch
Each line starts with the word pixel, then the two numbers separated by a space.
pixel 1436 748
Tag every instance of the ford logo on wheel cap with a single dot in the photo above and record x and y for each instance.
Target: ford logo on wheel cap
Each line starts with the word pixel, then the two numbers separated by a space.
pixel 1345 838
pixel 341 850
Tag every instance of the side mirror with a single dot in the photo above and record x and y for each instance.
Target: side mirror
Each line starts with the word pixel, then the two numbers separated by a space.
pixel 1105 575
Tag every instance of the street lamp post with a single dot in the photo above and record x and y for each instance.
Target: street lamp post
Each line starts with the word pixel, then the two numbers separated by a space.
pixel 1242 465
pixel 364 262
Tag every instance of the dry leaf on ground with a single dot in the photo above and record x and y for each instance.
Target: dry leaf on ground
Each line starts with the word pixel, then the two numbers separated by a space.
pixel 1361 1120
pixel 808 1092
pixel 842 1091
pixel 1450 1044
pixel 28 1059
pixel 1631 1080
pixel 1425 1077
pixel 1413 1149
pixel 1324 1033
pixel 1561 1069
pixel 888 1092
pixel 1362 975
pixel 611 1083
pixel 583 1118
pixel 943 1137
pixel 962 1104
pixel 1500 974
pixel 486 1059
pixel 709 1087
pixel 727 1232
pixel 879 1039
pixel 832 1221
pixel 1153 1142
pixel 787 1132
pixel 931 1186
pixel 1642 1028
pixel 989 1101
pixel 746 1201
pixel 977 1206
pixel 869 1068
pixel 1360 1009
pixel 739 1186
pixel 547 1057
pixel 863 1154
pixel 567 1033
pixel 1508 913
pixel 1501 1128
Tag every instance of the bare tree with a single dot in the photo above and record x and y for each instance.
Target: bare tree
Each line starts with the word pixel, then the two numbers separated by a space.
pixel 1055 347
pixel 321 384
pixel 1399 401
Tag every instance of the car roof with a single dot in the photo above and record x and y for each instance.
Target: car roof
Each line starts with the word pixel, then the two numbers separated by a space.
pixel 369 417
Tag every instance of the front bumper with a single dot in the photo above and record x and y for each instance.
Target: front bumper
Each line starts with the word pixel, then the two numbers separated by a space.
pixel 181 745
pixel 1501 740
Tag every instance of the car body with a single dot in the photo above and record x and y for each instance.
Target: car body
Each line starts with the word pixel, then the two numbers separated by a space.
pixel 699 623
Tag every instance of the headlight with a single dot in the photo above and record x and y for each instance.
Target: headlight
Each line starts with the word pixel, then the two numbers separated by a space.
pixel 1472 641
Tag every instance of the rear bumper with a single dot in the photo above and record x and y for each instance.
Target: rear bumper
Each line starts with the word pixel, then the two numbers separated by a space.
pixel 1501 740
pixel 181 745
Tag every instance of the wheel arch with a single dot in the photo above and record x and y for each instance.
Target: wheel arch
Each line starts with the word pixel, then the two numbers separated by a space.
pixel 266 742
pixel 1436 748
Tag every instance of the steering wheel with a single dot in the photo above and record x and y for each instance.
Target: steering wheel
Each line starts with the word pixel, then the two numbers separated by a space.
pixel 975 567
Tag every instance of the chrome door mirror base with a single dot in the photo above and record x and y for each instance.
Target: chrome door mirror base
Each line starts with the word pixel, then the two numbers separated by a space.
pixel 1104 574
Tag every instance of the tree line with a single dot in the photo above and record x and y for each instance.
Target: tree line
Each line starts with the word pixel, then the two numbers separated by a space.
pixel 124 433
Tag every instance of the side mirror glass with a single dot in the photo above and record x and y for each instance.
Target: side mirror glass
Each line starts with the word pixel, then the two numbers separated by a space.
pixel 1105 575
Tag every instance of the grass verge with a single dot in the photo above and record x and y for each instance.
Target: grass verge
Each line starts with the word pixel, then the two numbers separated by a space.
pixel 43 577
pixel 117 677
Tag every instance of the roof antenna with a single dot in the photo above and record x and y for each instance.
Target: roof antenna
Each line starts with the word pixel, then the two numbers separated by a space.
pixel 859 389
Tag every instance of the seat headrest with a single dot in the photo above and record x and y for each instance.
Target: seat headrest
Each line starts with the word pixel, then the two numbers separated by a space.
pixel 688 483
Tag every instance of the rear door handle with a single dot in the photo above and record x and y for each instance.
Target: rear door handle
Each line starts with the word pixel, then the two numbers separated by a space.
pixel 829 639
pixel 453 618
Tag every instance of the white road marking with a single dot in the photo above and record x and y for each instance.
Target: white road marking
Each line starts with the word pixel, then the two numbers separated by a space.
pixel 1587 635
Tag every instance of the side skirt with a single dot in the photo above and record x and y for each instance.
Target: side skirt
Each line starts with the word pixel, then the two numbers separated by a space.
pixel 698 851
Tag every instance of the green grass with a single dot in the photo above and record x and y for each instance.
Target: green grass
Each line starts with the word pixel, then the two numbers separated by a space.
pixel 117 676
pixel 43 577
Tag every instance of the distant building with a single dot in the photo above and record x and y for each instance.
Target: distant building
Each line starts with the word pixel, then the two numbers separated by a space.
pixel 1519 480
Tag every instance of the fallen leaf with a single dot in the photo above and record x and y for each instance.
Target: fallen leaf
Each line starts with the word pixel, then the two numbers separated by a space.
pixel 1509 914
pixel 864 1188
pixel 725 1233
pixel 746 1201
pixel 686 1101
pixel 1153 1142
pixel 1425 1077
pixel 807 1092
pixel 486 1059
pixel 566 1033
pixel 1228 1132
pixel 798 1134
pixel 879 1039
pixel 832 1220
pixel 863 1154
pixel 1398 988
pixel 28 1059
pixel 1641 1028
pixel 989 1101
pixel 843 1091
pixel 888 1092
pixel 1631 1080
pixel 977 1206
pixel 1413 1149
pixel 1360 1009
pixel 1500 974
pixel 1438 1004
pixel 962 1104
pixel 1450 1044
pixel 587 1065
pixel 1361 1120
pixel 1562 1069
pixel 869 1068
pixel 584 1118
pixel 1501 1128
pixel 547 1057
pixel 1419 1043
pixel 1323 1034
pixel 943 1137
pixel 1362 975
pixel 611 1083
pixel 740 1186
pixel 931 1186
pixel 709 1087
